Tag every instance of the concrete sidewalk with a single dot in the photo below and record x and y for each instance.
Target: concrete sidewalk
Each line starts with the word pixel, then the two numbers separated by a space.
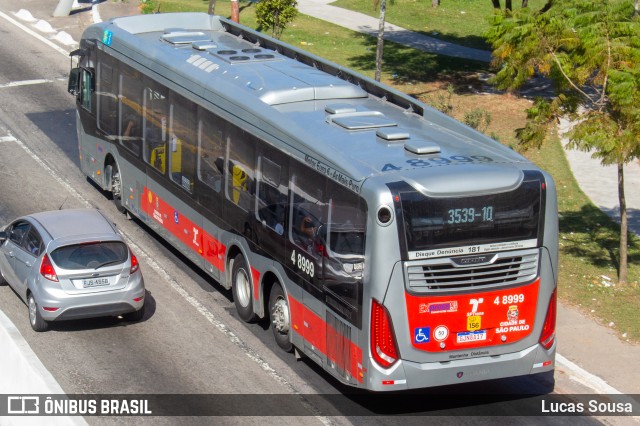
pixel 600 183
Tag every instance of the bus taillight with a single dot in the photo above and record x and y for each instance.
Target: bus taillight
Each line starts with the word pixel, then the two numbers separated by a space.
pixel 548 335
pixel 383 341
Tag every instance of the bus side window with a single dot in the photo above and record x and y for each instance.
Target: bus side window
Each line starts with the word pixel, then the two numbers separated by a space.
pixel 107 95
pixel 182 142
pixel 308 211
pixel 345 245
pixel 211 158
pixel 272 194
pixel 131 109
pixel 241 179
pixel 155 126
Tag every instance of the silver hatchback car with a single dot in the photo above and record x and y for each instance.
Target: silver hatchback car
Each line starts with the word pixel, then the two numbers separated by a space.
pixel 71 264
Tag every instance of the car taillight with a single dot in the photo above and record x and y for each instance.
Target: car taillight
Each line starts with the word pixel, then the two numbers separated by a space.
pixel 548 335
pixel 383 341
pixel 47 270
pixel 134 263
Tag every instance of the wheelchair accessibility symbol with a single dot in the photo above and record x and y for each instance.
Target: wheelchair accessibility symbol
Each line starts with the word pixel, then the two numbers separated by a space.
pixel 421 334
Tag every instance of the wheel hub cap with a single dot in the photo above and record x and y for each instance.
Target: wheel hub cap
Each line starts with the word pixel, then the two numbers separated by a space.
pixel 280 316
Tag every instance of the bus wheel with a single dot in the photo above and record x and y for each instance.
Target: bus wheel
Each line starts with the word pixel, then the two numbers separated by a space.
pixel 241 287
pixel 280 317
pixel 116 188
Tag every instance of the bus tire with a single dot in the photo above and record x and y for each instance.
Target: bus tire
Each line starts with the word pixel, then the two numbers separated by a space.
pixel 116 187
pixel 242 289
pixel 280 316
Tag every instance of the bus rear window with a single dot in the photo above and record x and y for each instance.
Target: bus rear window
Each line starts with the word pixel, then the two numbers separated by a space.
pixel 431 222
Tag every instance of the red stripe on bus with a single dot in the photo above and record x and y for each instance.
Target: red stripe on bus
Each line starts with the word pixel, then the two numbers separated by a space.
pixel 255 274
pixel 214 251
pixel 190 234
pixel 467 321
pixel 305 322
pixel 326 339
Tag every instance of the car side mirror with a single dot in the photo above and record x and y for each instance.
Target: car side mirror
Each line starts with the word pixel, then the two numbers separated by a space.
pixel 3 236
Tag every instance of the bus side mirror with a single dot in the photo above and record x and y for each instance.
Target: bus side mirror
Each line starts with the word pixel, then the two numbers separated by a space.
pixel 74 79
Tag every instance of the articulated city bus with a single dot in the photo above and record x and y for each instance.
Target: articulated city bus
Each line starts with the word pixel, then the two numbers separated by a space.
pixel 389 243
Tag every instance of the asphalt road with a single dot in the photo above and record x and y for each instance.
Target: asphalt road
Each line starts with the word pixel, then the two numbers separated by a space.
pixel 190 341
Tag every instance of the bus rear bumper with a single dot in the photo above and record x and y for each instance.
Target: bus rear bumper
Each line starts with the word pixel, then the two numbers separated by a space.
pixel 414 375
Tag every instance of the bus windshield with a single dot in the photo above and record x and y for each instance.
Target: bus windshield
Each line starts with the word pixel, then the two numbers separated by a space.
pixel 431 222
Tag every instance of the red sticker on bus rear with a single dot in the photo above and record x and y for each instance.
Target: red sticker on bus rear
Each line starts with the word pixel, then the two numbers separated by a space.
pixel 474 320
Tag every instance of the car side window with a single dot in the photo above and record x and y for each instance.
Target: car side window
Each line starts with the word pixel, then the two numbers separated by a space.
pixel 18 231
pixel 32 243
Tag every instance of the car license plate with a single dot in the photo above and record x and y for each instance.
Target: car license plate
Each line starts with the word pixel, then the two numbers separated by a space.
pixel 472 336
pixel 95 282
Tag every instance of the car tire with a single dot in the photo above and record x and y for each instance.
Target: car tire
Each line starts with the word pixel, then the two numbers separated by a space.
pixel 136 315
pixel 2 280
pixel 242 289
pixel 35 319
pixel 280 316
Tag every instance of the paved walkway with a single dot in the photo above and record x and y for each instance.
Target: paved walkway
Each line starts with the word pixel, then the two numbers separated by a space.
pixel 362 23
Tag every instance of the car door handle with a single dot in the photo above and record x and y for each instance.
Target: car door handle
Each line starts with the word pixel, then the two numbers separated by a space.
pixel 11 254
pixel 28 264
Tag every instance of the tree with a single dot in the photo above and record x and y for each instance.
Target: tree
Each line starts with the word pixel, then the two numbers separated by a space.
pixel 380 43
pixel 276 15
pixel 212 7
pixel 590 50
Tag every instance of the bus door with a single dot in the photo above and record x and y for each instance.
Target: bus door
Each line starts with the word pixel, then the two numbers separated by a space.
pixel 241 181
pixel 307 220
pixel 155 134
pixel 209 186
pixel 82 84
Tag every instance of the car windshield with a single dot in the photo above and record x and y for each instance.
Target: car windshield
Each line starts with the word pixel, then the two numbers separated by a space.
pixel 90 255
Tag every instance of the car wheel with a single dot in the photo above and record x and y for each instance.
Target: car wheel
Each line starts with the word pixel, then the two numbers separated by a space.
pixel 35 319
pixel 242 289
pixel 135 316
pixel 280 317
pixel 2 280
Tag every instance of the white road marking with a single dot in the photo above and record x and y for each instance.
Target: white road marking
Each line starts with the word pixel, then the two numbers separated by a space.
pixel 585 378
pixel 25 83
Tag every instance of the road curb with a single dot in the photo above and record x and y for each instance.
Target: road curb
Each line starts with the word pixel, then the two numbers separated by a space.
pixel 23 373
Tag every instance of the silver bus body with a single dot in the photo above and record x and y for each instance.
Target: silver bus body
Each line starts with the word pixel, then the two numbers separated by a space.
pixel 411 250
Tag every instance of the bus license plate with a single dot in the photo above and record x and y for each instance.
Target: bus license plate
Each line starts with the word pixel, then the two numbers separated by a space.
pixel 472 336
pixel 95 282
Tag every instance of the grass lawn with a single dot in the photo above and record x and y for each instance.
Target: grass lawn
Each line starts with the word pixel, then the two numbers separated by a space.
pixel 588 238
